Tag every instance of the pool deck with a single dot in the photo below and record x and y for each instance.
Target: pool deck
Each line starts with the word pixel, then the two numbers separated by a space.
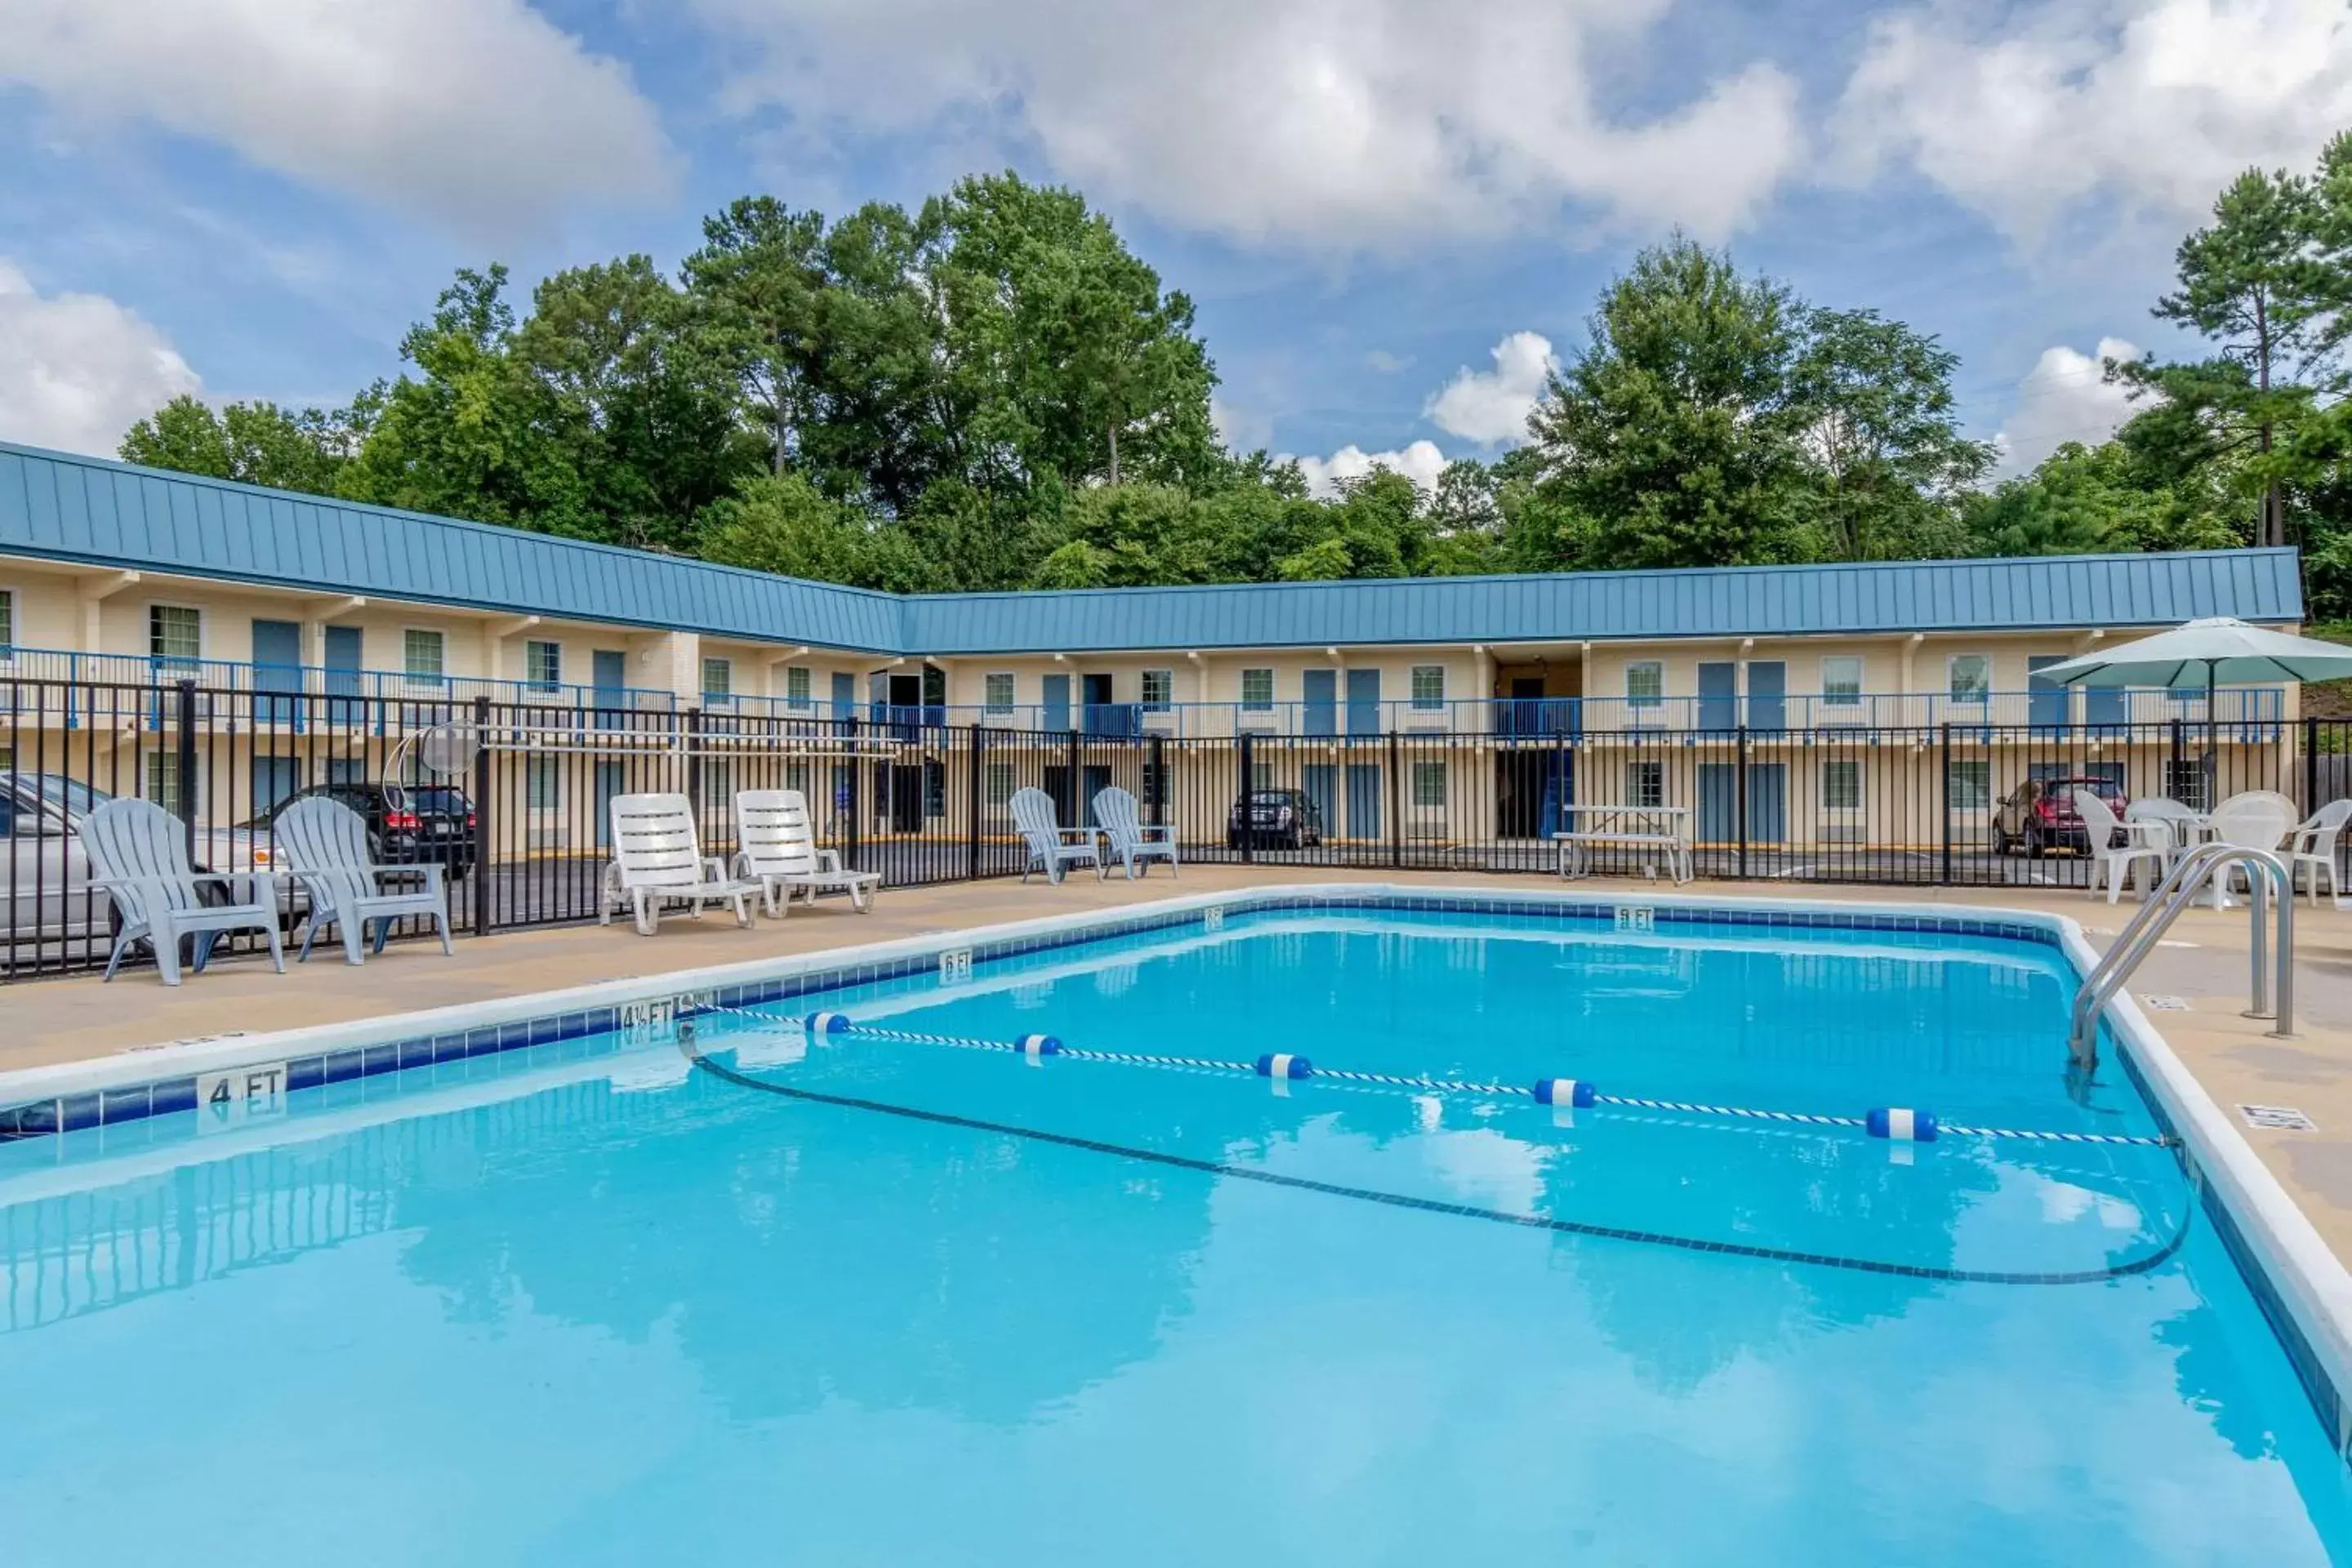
pixel 2203 962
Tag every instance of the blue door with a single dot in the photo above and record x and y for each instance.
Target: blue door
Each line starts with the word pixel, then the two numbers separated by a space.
pixel 343 661
pixel 275 780
pixel 1096 780
pixel 1321 781
pixel 276 667
pixel 2104 705
pixel 1718 696
pixel 845 695
pixel 609 669
pixel 1363 800
pixel 1719 803
pixel 1057 702
pixel 611 780
pixel 1559 794
pixel 1363 702
pixel 1768 699
pixel 1321 691
pixel 1768 802
pixel 2045 699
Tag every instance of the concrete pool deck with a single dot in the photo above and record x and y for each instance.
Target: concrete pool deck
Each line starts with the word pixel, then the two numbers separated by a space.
pixel 2204 963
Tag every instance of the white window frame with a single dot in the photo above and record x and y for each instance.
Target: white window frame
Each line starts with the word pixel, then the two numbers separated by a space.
pixel 7 623
pixel 1433 700
pixel 1834 693
pixel 800 686
pixel 530 677
pixel 150 782
pixel 998 783
pixel 1258 704
pixel 1426 774
pixel 547 770
pixel 1830 805
pixel 1645 782
pixel 1982 695
pixel 1977 768
pixel 173 660
pixel 439 673
pixel 994 701
pixel 1657 670
pixel 1166 680
pixel 722 694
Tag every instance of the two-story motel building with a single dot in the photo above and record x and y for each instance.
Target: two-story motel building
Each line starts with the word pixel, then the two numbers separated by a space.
pixel 118 575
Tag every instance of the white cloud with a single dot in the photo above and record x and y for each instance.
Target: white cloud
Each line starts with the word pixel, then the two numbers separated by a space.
pixel 1491 407
pixel 2064 397
pixel 1239 429
pixel 479 114
pixel 77 369
pixel 1323 123
pixel 1421 462
pixel 2024 113
pixel 1387 364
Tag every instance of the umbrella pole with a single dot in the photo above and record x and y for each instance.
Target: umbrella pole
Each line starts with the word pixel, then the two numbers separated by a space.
pixel 2213 751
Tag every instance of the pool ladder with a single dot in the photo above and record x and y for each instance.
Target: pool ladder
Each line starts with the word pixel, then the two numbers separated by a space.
pixel 2273 992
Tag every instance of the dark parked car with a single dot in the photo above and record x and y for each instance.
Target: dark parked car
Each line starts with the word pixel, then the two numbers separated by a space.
pixel 1274 819
pixel 2040 814
pixel 408 825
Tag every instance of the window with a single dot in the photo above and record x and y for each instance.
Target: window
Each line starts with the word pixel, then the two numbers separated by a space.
pixel 1645 783
pixel 718 682
pixel 1841 785
pixel 1429 783
pixel 1646 683
pixel 174 634
pixel 717 783
pixel 1968 784
pixel 999 784
pixel 421 655
pixel 798 687
pixel 275 781
pixel 1429 687
pixel 543 779
pixel 1257 689
pixel 1261 773
pixel 164 783
pixel 1158 690
pixel 7 623
pixel 1842 682
pixel 542 664
pixel 996 691
pixel 2185 782
pixel 935 788
pixel 1971 677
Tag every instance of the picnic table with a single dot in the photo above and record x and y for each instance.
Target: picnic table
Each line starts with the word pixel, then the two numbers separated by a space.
pixel 1664 830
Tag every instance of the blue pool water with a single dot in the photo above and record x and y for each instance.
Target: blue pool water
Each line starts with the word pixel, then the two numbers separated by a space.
pixel 589 1305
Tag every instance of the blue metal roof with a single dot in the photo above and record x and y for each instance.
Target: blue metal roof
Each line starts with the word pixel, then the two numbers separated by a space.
pixel 66 508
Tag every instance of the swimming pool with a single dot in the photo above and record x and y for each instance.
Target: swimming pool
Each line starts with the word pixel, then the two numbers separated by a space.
pixel 850 1298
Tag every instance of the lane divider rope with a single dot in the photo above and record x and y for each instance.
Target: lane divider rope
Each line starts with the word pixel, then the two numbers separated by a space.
pixel 1895 1123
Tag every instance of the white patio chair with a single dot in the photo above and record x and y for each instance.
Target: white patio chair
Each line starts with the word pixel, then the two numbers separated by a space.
pixel 2186 824
pixel 657 861
pixel 2147 839
pixel 1126 835
pixel 779 852
pixel 324 844
pixel 1049 844
pixel 2313 847
pixel 2257 819
pixel 138 855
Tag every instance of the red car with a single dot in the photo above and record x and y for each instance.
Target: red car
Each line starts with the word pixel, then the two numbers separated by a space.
pixel 2040 814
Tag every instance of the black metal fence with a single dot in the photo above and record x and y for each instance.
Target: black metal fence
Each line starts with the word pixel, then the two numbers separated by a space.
pixel 521 830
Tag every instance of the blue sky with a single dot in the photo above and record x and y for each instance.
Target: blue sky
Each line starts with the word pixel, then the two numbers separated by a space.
pixel 1386 210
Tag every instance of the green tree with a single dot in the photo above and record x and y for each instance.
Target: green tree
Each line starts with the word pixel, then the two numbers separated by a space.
pixel 1675 429
pixel 758 282
pixel 1883 439
pixel 253 443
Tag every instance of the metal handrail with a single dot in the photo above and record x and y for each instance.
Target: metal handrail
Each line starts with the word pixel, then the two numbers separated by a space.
pixel 2271 993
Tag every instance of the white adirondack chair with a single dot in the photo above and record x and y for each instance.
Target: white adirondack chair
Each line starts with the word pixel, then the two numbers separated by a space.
pixel 657 862
pixel 2313 847
pixel 780 854
pixel 1049 844
pixel 138 855
pixel 325 843
pixel 2146 840
pixel 1126 835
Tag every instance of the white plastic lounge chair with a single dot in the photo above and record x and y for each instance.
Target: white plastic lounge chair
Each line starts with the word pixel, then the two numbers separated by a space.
pixel 1049 843
pixel 139 853
pixel 2147 839
pixel 657 861
pixel 1125 835
pixel 325 843
pixel 780 854
pixel 2313 847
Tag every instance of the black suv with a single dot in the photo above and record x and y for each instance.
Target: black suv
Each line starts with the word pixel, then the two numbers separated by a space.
pixel 407 824
pixel 1274 819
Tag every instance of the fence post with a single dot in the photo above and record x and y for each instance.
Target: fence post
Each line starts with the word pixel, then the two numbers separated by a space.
pixel 2310 765
pixel 2174 776
pixel 1944 803
pixel 1155 793
pixel 482 784
pixel 852 808
pixel 974 775
pixel 1066 810
pixel 693 760
pixel 1396 803
pixel 183 763
pixel 1739 795
pixel 1241 811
